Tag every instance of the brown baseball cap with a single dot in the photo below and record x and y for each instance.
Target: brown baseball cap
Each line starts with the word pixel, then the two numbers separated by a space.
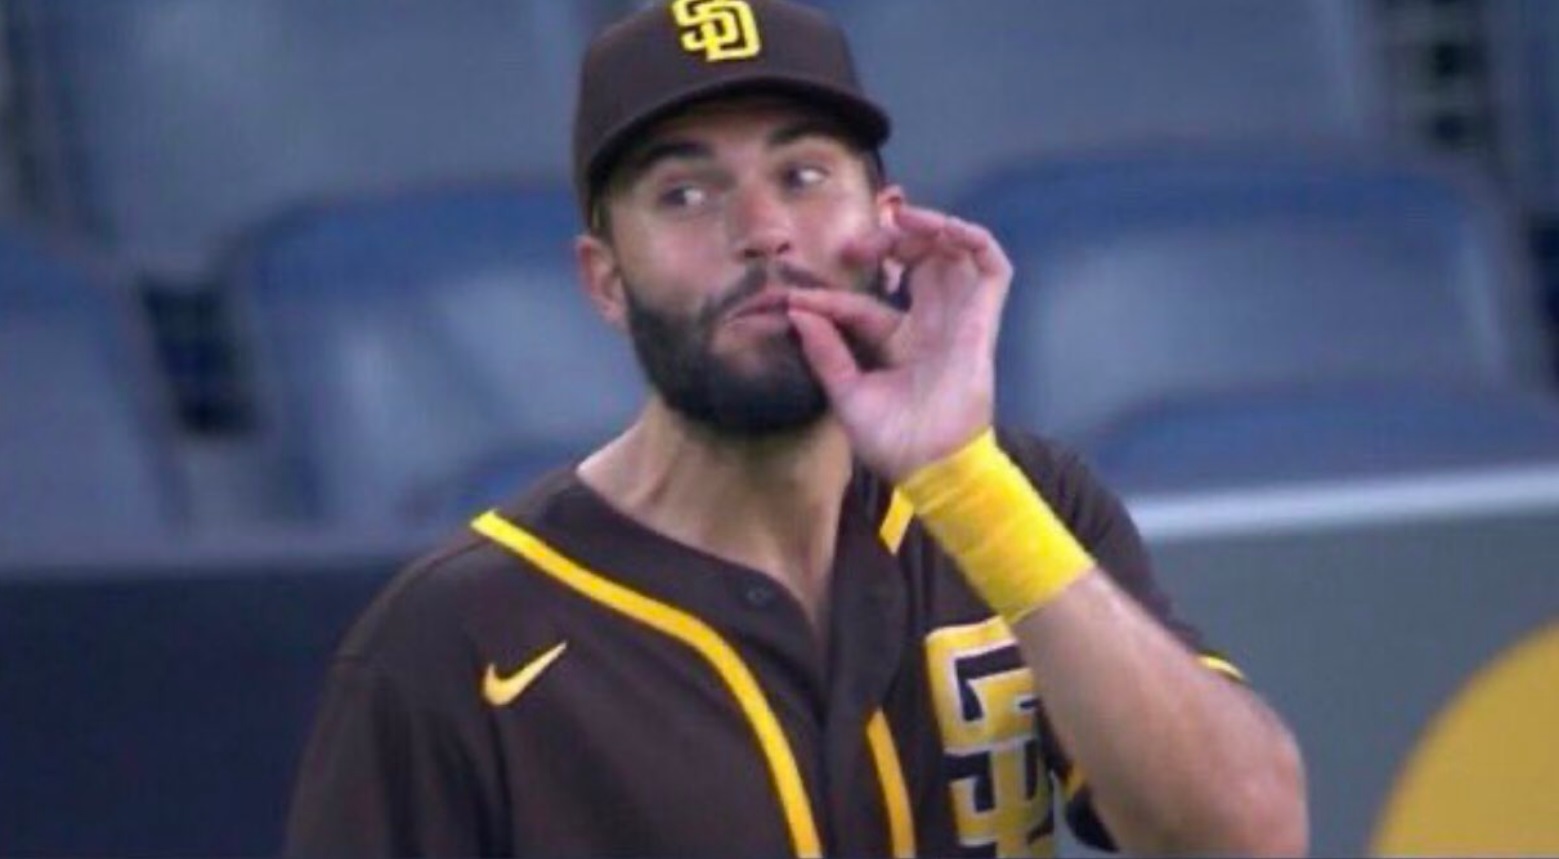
pixel 661 59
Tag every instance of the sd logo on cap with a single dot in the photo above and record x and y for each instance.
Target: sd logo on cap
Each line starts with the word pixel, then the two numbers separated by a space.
pixel 719 29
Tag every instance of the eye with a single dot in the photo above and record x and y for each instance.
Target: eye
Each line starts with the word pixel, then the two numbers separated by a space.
pixel 684 196
pixel 804 176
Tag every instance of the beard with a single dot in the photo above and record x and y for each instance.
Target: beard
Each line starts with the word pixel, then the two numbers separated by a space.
pixel 782 395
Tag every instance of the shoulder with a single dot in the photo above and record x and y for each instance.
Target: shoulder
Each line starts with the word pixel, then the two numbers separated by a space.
pixel 457 601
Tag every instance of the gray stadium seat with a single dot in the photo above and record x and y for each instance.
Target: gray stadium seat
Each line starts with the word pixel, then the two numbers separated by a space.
pixel 85 436
pixel 977 83
pixel 168 125
pixel 1143 277
pixel 404 342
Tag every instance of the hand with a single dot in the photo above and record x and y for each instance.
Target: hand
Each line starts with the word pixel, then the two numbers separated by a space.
pixel 935 388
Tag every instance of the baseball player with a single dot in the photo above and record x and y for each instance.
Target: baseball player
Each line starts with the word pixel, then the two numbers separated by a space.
pixel 810 602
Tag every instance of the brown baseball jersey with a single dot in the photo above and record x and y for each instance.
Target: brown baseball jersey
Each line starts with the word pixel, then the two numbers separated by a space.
pixel 562 681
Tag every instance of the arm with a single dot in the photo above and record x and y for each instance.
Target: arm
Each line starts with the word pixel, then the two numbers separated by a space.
pixel 1205 768
pixel 1179 758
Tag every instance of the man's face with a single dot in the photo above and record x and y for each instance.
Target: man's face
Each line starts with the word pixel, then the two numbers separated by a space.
pixel 712 219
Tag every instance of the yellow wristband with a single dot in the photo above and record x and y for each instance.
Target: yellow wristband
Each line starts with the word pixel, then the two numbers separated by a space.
pixel 1007 541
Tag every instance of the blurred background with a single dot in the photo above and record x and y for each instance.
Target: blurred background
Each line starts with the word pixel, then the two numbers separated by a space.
pixel 286 293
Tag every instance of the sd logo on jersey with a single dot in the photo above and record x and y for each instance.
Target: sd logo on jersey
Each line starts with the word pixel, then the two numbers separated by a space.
pixel 985 707
pixel 718 29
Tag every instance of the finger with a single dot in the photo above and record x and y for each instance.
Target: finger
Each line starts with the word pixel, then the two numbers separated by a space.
pixel 889 245
pixel 871 253
pixel 918 234
pixel 919 219
pixel 826 351
pixel 869 250
pixel 978 242
pixel 871 247
pixel 862 316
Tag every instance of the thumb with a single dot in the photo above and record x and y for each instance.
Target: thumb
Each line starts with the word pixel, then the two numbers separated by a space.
pixel 826 351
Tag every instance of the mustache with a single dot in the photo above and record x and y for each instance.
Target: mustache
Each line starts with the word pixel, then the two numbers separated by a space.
pixel 752 281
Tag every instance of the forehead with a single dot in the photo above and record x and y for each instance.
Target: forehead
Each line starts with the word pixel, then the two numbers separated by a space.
pixel 753 116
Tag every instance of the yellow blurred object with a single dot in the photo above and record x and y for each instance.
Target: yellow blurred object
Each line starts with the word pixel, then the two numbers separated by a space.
pixel 1484 779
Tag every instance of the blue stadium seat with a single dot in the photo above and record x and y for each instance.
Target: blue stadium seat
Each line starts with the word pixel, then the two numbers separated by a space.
pixel 1330 432
pixel 978 83
pixel 166 126
pixel 85 438
pixel 403 342
pixel 1153 277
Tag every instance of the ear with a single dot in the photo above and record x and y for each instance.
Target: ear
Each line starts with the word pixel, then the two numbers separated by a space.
pixel 601 279
pixel 889 200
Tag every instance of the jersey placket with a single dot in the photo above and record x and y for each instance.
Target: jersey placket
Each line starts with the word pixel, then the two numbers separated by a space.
pixel 761 646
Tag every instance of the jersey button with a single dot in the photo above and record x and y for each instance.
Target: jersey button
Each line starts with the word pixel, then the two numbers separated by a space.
pixel 759 595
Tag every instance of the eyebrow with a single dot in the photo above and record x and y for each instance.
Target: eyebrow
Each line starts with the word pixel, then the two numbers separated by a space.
pixel 692 150
pixel 664 150
pixel 804 128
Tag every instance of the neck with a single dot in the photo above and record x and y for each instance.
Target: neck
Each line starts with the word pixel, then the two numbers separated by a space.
pixel 771 504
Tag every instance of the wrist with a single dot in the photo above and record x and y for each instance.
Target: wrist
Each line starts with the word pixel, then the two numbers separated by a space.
pixel 952 444
pixel 904 472
pixel 983 511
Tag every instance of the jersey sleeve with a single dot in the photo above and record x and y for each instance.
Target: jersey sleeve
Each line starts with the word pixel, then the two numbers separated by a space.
pixel 384 775
pixel 1100 521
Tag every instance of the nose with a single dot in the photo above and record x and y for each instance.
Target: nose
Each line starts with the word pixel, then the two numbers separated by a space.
pixel 759 224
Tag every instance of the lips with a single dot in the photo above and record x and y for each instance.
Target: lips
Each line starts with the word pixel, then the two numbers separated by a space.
pixel 769 301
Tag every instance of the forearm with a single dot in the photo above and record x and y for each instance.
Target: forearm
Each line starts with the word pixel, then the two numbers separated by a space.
pixel 1179 758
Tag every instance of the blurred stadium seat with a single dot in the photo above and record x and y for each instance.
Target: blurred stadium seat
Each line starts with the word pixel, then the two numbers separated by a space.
pixel 1327 432
pixel 1524 52
pixel 405 345
pixel 978 83
pixel 165 126
pixel 1149 284
pixel 84 424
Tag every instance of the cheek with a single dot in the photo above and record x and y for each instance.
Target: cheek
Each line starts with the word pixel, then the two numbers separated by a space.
pixel 672 271
pixel 830 231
